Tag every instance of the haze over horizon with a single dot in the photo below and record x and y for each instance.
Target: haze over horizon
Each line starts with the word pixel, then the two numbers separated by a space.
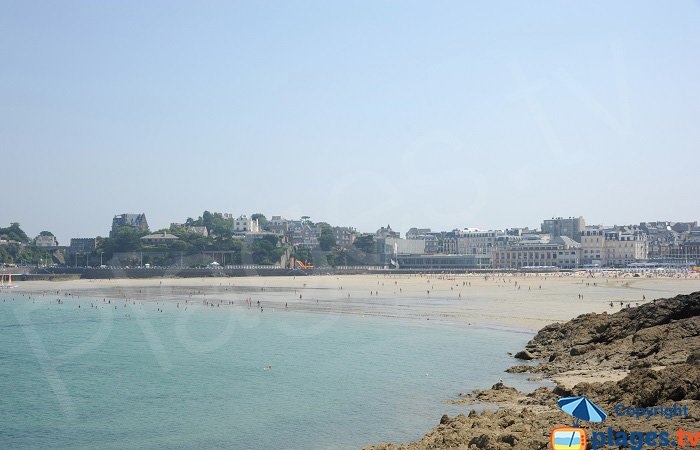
pixel 363 114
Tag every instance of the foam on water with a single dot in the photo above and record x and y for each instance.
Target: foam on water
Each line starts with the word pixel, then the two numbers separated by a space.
pixel 134 377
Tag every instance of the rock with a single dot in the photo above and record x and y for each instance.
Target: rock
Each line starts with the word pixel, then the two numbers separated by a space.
pixel 483 441
pixel 578 350
pixel 694 358
pixel 508 439
pixel 519 369
pixel 524 355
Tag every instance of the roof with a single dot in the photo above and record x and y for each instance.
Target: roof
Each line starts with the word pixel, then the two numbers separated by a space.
pixel 160 236
pixel 566 241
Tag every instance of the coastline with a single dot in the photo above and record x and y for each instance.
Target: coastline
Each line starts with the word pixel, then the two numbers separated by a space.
pixel 467 301
pixel 646 356
pixel 523 303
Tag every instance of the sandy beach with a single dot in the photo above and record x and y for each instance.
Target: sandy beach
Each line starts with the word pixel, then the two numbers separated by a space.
pixel 523 302
pixel 642 336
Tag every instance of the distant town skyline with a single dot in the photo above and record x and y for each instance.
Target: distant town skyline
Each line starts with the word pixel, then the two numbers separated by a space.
pixel 64 239
pixel 415 114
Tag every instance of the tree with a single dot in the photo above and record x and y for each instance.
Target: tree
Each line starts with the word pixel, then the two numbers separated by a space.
pixel 221 227
pixel 266 250
pixel 262 221
pixel 46 233
pixel 207 219
pixel 14 233
pixel 365 243
pixel 302 254
pixel 327 238
pixel 124 239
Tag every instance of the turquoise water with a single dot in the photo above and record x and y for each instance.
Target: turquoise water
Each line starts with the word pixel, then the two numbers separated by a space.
pixel 134 377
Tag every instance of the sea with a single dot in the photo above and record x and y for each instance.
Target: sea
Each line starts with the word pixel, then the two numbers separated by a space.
pixel 94 374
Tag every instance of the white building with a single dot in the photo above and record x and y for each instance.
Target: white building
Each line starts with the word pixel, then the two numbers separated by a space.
pixel 473 241
pixel 403 246
pixel 244 224
pixel 159 238
pixel 45 241
pixel 562 252
pixel 610 247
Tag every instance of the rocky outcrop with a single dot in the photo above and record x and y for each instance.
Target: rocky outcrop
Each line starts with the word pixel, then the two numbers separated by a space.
pixel 657 345
pixel 660 333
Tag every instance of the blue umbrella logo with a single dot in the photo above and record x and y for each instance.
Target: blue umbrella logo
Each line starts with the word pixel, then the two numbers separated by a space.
pixel 582 409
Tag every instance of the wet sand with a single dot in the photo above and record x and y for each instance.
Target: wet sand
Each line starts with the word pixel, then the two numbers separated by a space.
pixel 520 302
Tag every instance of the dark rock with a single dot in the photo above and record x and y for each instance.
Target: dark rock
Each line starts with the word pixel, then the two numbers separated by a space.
pixel 518 369
pixel 508 439
pixel 694 358
pixel 524 355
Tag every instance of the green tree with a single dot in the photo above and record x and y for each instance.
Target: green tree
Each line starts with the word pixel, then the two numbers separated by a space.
pixel 262 221
pixel 207 219
pixel 327 238
pixel 338 257
pixel 221 227
pixel 302 254
pixel 14 233
pixel 190 222
pixel 365 243
pixel 124 239
pixel 266 250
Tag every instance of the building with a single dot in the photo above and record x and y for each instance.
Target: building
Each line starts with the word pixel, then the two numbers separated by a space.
pixel 47 241
pixel 159 239
pixel 593 246
pixel 244 224
pixel 622 248
pixel 197 230
pixel 190 228
pixel 431 239
pixel 386 232
pixel 344 236
pixel 447 243
pixel 400 246
pixel 473 241
pixel 571 227
pixel 417 233
pixel 82 245
pixel 561 252
pixel 687 252
pixel 684 227
pixel 301 234
pixel 278 224
pixel 443 262
pixel 661 238
pixel 131 220
pixel 613 246
pixel 389 247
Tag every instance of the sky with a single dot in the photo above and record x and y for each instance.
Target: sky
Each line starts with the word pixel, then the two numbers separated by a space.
pixel 445 115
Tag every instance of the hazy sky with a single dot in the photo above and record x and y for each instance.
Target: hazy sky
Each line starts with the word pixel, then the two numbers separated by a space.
pixel 432 114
